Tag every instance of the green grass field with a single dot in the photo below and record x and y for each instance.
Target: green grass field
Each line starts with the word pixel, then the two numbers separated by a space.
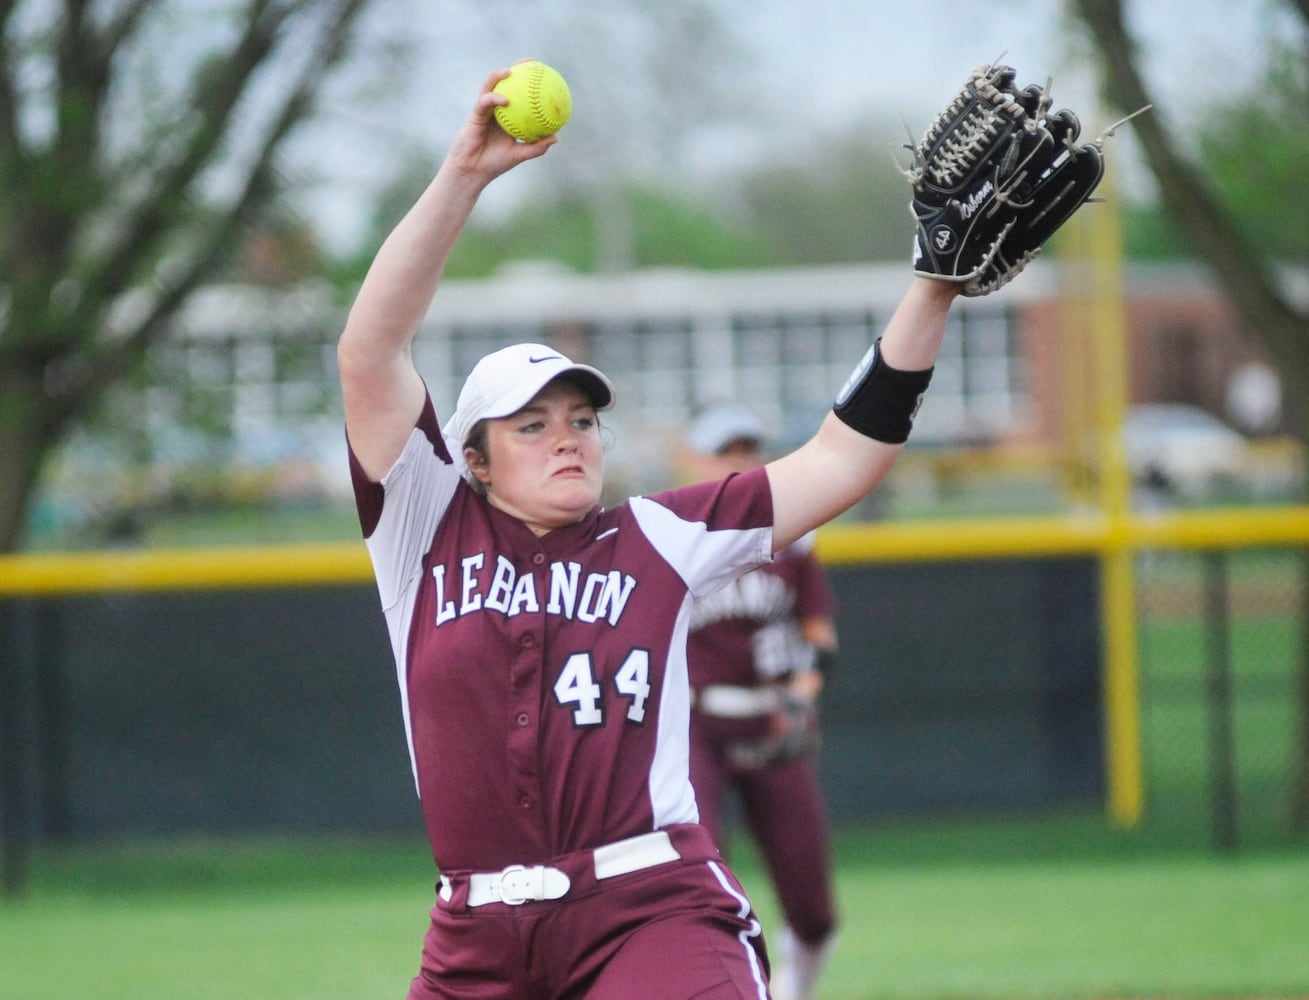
pixel 970 910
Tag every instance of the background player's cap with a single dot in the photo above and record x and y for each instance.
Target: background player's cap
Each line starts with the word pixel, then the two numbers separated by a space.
pixel 719 425
pixel 505 381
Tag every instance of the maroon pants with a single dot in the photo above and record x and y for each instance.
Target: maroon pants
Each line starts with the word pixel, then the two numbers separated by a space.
pixel 786 815
pixel 677 930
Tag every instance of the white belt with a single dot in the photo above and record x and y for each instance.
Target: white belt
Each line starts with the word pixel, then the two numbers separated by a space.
pixel 728 701
pixel 519 883
pixel 515 885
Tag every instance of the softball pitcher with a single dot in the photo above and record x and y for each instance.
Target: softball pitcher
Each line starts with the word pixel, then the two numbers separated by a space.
pixel 540 640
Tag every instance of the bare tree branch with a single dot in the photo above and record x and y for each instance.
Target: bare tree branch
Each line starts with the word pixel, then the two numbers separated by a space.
pixel 122 27
pixel 215 96
pixel 68 201
pixel 11 150
pixel 110 361
pixel 79 100
pixel 1189 200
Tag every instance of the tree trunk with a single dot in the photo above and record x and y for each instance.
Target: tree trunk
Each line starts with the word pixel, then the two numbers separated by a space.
pixel 24 445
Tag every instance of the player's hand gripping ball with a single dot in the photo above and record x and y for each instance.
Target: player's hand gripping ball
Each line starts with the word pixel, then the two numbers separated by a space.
pixel 539 101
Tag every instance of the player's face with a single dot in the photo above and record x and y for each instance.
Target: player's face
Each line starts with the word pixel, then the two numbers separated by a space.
pixel 545 463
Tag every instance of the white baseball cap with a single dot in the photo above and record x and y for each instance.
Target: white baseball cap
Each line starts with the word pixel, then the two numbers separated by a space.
pixel 505 381
pixel 719 425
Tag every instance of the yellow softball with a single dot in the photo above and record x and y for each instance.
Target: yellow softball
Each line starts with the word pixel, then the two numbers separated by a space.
pixel 539 101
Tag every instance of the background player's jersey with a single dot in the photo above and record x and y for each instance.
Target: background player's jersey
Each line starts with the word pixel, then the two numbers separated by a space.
pixel 543 680
pixel 748 633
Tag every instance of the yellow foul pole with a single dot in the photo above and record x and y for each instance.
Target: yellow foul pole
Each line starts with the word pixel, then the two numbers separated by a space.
pixel 1108 347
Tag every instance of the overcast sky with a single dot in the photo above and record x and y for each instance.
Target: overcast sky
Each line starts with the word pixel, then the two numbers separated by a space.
pixel 808 68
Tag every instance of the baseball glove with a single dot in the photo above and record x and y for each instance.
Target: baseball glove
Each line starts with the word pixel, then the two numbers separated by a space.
pixel 793 732
pixel 994 177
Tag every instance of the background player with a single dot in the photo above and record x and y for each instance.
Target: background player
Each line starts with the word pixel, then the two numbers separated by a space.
pixel 753 652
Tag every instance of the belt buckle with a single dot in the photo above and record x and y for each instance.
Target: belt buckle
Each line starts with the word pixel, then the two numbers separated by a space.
pixel 515 899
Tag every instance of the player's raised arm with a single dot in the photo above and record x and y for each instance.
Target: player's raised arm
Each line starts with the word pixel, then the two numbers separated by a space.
pixel 993 177
pixel 860 440
pixel 382 391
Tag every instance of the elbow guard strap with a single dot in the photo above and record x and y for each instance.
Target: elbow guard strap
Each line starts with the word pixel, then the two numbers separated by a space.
pixel 879 401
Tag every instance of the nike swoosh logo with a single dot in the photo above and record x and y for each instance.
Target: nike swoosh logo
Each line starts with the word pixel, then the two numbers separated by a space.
pixel 606 534
pixel 547 357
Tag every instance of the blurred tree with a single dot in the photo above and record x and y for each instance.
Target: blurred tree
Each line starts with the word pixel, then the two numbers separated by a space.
pixel 1256 160
pixel 844 201
pixel 646 89
pixel 134 150
pixel 667 229
pixel 1256 148
pixel 1253 143
pixel 145 144
pixel 1237 246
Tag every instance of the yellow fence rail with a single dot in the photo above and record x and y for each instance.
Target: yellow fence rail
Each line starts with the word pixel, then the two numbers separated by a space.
pixel 334 563
pixel 1092 534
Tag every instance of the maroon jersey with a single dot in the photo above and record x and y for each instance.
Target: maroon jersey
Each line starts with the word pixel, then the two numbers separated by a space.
pixel 543 681
pixel 748 632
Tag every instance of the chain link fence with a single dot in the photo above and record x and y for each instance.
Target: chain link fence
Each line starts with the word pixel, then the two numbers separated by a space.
pixel 1222 671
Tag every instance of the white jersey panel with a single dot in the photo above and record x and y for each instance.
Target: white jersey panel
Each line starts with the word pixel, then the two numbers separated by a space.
pixel 672 799
pixel 706 560
pixel 418 488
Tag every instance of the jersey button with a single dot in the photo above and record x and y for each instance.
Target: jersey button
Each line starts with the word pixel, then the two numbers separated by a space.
pixel 525 802
pixel 527 641
pixel 522 719
pixel 539 558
